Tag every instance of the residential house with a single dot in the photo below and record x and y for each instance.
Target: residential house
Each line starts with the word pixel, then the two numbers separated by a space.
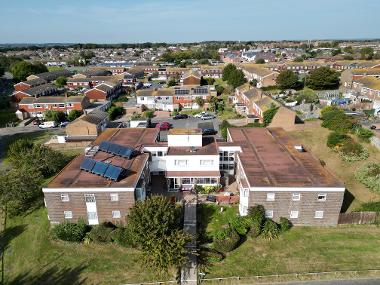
pixel 191 77
pixel 50 75
pixel 37 91
pixel 107 90
pixel 264 76
pixel 24 85
pixel 35 107
pixel 351 75
pixel 88 125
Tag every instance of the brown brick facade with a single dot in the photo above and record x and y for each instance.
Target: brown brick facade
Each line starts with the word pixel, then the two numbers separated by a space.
pixel 306 206
pixel 77 205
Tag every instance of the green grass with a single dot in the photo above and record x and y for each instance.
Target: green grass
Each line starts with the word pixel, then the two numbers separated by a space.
pixel 302 249
pixel 7 116
pixel 54 68
pixel 33 251
pixel 191 112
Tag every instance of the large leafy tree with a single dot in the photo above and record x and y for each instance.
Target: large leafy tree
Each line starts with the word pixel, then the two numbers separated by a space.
pixel 52 115
pixel 155 227
pixel 287 79
pixel 236 78
pixel 61 81
pixel 323 78
pixel 73 114
pixel 227 71
pixel 22 69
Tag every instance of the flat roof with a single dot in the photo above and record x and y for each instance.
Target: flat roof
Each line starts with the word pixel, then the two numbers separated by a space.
pixel 209 147
pixel 73 177
pixel 269 159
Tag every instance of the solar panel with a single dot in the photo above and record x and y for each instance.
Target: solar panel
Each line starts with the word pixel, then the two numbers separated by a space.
pixel 113 148
pixel 125 152
pixel 100 168
pixel 104 146
pixel 87 164
pixel 113 172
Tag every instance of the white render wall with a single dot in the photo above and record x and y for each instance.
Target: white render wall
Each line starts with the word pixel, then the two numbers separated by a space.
pixel 185 140
pixel 193 163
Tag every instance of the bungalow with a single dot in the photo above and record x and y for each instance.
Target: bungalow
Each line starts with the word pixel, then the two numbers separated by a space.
pixel 35 107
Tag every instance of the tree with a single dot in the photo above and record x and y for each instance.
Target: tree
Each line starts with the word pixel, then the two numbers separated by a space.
pixel 335 52
pixel 366 53
pixel 61 81
pixel 199 101
pixel 219 89
pixel 154 225
pixel 298 59
pixel 237 78
pixel 19 189
pixel 253 82
pixel 230 68
pixel 287 79
pixel 2 71
pixel 115 111
pixel 56 116
pixel 172 82
pixel 74 114
pixel 323 78
pixel 213 103
pixel 348 49
pixel 260 61
pixel 22 69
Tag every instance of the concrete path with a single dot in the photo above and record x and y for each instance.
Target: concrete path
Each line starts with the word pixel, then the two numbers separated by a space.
pixel 189 273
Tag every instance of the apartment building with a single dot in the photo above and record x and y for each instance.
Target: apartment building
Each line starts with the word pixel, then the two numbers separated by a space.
pixel 273 170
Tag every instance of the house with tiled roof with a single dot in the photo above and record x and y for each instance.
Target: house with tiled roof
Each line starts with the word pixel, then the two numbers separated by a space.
pixel 88 126
pixel 106 90
pixel 264 76
pixel 47 89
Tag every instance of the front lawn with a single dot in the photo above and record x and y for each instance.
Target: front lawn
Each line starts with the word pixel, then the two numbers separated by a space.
pixel 31 252
pixel 314 138
pixel 302 249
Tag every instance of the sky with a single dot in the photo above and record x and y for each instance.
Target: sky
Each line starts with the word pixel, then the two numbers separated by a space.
pixel 127 21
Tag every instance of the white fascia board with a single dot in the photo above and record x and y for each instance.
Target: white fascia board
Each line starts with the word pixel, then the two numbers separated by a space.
pixel 155 148
pixel 229 148
pixel 295 189
pixel 89 189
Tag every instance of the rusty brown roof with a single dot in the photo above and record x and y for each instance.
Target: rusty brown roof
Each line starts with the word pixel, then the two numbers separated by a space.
pixel 72 177
pixel 269 159
pixel 209 147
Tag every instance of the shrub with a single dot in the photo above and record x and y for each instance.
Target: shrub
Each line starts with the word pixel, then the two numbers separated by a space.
pixel 364 134
pixel 369 207
pixel 226 240
pixel 270 229
pixel 336 120
pixel 285 224
pixel 257 214
pixel 369 175
pixel 255 229
pixel 240 224
pixel 209 255
pixel 351 151
pixel 115 111
pixel 122 236
pixel 149 114
pixel 336 139
pixel 73 232
pixel 101 233
pixel 269 114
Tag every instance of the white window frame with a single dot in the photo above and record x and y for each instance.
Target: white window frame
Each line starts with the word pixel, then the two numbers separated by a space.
pixel 65 197
pixel 322 199
pixel 296 196
pixel 68 214
pixel 89 196
pixel 114 197
pixel 318 214
pixel 294 214
pixel 206 162
pixel 116 214
pixel 271 197
pixel 269 214
pixel 180 162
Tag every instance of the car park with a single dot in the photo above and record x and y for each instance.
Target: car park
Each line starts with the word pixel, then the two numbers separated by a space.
pixel 163 126
pixel 180 116
pixel 209 131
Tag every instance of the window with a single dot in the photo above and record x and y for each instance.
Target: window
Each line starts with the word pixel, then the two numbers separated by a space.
pixel 116 214
pixel 61 105
pixel 92 215
pixel 206 162
pixel 322 197
pixel 114 197
pixel 68 214
pixel 89 198
pixel 296 196
pixel 318 214
pixel 271 196
pixel 269 213
pixel 180 162
pixel 65 198
pixel 294 214
pixel 160 153
pixel 186 181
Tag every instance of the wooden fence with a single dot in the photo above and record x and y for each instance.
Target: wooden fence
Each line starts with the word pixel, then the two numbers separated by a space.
pixel 357 218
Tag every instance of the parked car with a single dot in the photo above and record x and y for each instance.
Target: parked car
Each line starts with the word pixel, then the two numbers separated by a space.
pixel 47 125
pixel 211 198
pixel 64 124
pixel 207 117
pixel 375 126
pixel 37 122
pixel 209 131
pixel 180 116
pixel 200 114
pixel 163 126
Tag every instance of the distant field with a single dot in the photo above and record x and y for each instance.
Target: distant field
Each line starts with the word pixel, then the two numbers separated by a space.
pixel 314 139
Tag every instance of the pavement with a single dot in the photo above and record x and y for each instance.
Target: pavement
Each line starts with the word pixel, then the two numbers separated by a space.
pixel 364 281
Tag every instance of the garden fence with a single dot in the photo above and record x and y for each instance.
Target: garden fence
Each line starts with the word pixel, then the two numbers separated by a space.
pixel 357 218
